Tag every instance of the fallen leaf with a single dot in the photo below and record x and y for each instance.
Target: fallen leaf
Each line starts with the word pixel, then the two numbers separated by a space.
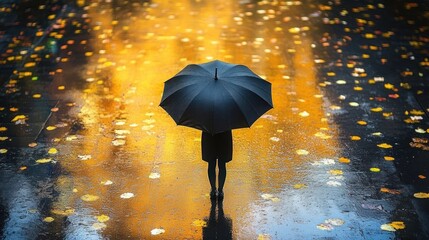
pixel 422 176
pixel 127 195
pixel 362 123
pixel 264 236
pixel 388 190
pixel 397 225
pixel 52 151
pixel 299 186
pixel 325 227
pixel 3 150
pixel 387 227
pixel 89 198
pixel 421 195
pixel 199 223
pixel 377 109
pixel 336 172
pixel 154 175
pixel 157 231
pixel 66 212
pixel 355 138
pixel 384 145
pixel 344 160
pixel 50 128
pixel 44 160
pixel 302 152
pixel 388 158
pixel 102 218
pixel 374 169
pixel 48 219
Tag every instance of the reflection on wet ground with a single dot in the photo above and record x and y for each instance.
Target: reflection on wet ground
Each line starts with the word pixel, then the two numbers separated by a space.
pixel 86 152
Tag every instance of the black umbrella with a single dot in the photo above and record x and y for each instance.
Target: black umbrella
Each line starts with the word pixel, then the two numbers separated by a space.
pixel 216 96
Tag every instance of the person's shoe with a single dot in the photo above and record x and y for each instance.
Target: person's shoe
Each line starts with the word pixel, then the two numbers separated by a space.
pixel 220 195
pixel 213 194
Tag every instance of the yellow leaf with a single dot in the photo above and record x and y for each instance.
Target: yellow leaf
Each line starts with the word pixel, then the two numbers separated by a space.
pixel 299 186
pixel 422 176
pixel 18 117
pixel 37 95
pixel 50 128
pixel 3 138
pixel 264 237
pixel 389 86
pixel 384 145
pixel 199 223
pixel 388 158
pixel 48 219
pixel 44 160
pixel 421 195
pixel 103 218
pixel 344 160
pixel 89 198
pixel 377 109
pixel 53 151
pixel 66 212
pixel 362 123
pixel 355 138
pixel 302 152
pixel 391 191
pixel 336 172
pixel 387 227
pixel 2 129
pixel 3 150
pixel 374 169
pixel 397 225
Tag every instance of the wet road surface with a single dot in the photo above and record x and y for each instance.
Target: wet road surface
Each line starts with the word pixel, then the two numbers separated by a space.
pixel 87 153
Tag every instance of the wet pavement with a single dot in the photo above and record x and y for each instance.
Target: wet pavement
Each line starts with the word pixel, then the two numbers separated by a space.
pixel 87 153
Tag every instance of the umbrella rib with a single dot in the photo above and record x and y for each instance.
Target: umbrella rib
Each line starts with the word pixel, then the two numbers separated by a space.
pixel 256 86
pixel 242 96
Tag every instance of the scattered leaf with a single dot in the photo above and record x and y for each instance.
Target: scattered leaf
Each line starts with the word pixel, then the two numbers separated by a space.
pixel 102 218
pixel 154 175
pixel 199 223
pixel 388 158
pixel 157 231
pixel 50 128
pixel 52 151
pixel 299 186
pixel 344 160
pixel 302 152
pixel 3 150
pixel 384 145
pixel 336 172
pixel 421 195
pixel 48 219
pixel 127 195
pixel 391 191
pixel 374 169
pixel 44 160
pixel 89 198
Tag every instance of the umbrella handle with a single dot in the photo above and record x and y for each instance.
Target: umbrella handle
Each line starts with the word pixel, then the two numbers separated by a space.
pixel 215 74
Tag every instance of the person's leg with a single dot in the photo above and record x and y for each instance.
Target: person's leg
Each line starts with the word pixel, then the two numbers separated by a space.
pixel 212 176
pixel 222 175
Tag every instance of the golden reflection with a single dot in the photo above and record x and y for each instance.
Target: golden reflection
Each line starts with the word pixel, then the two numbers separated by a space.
pixel 134 47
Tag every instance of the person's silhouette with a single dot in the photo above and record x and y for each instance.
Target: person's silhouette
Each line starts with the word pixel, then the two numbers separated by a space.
pixel 220 227
pixel 216 148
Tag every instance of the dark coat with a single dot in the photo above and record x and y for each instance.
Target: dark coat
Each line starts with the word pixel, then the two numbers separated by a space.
pixel 218 146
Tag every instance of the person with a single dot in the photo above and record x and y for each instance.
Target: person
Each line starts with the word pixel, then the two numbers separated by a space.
pixel 216 148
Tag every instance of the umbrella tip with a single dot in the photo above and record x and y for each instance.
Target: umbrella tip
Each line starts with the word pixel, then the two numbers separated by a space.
pixel 215 78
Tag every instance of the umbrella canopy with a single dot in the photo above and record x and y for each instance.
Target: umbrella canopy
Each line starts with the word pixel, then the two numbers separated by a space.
pixel 216 96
